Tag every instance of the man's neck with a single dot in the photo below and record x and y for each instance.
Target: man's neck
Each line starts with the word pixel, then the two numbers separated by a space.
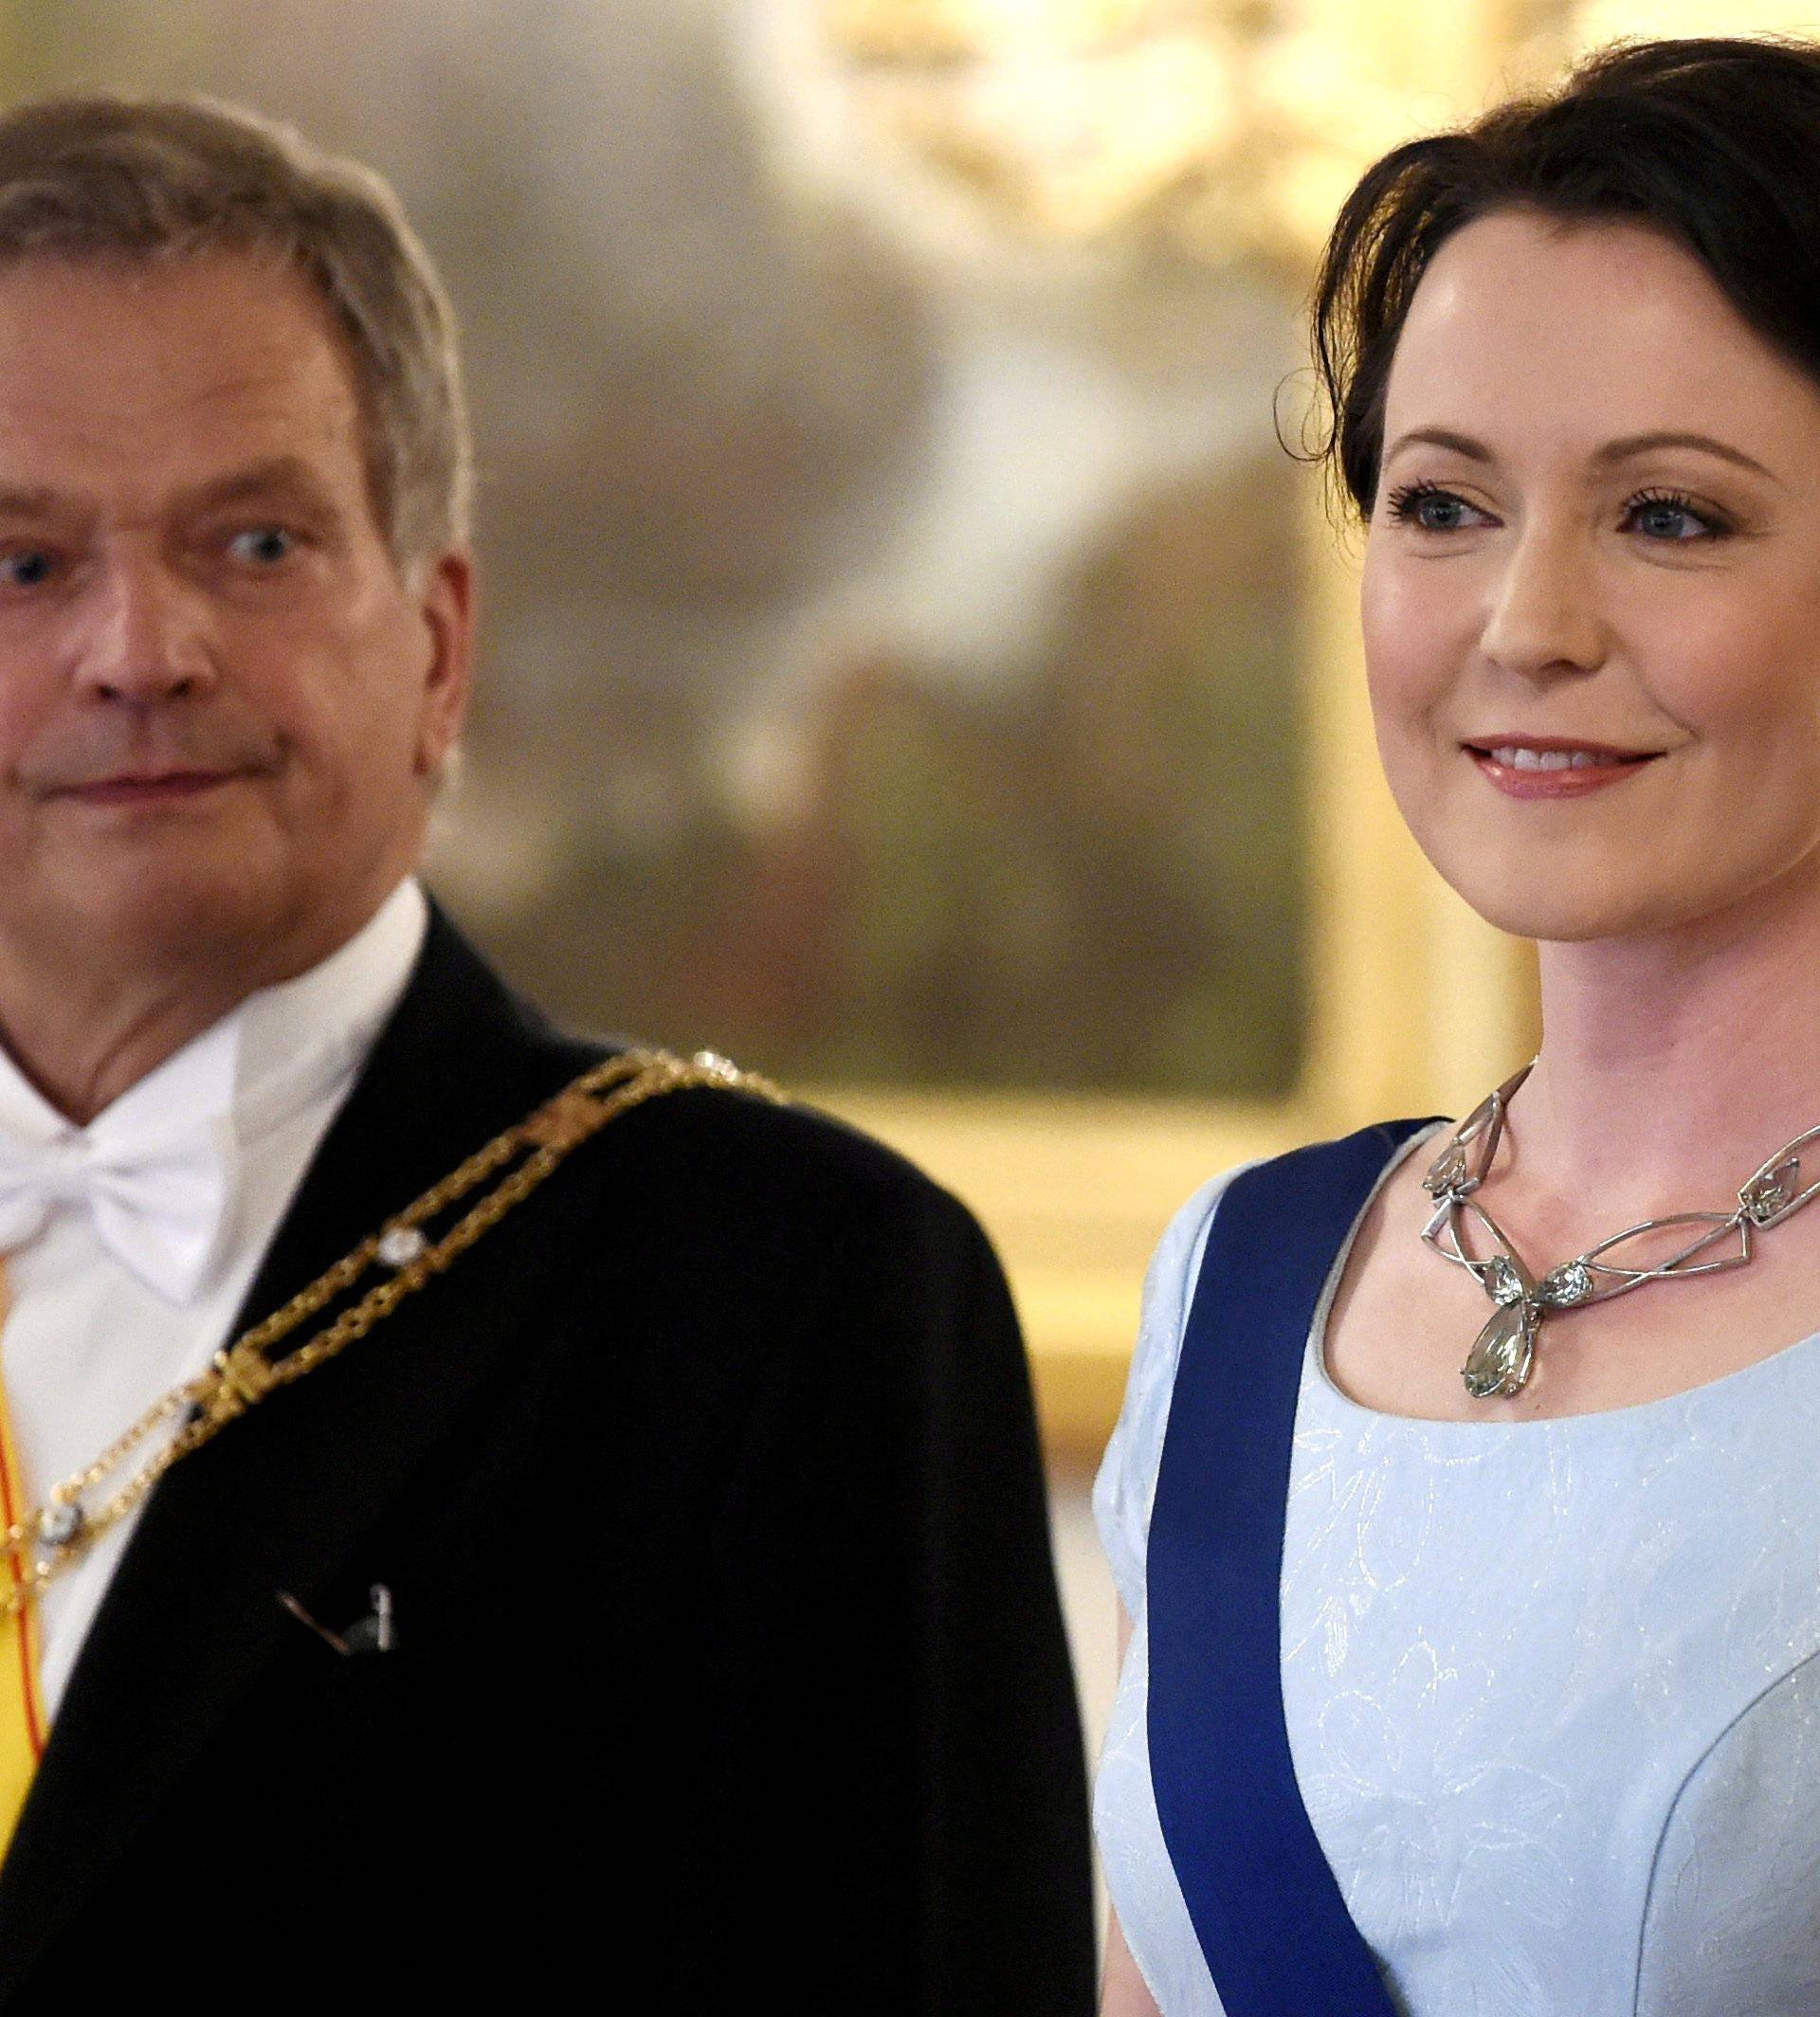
pixel 84 1047
pixel 85 1027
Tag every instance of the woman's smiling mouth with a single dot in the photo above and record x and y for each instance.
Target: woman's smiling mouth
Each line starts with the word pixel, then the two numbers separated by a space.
pixel 1552 767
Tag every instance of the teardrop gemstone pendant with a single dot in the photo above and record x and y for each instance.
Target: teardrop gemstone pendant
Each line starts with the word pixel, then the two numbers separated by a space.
pixel 1504 1351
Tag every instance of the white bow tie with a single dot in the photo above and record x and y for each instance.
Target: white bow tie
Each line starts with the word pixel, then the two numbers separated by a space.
pixel 158 1204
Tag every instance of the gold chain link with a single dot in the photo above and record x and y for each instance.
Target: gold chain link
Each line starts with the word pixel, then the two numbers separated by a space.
pixel 56 1535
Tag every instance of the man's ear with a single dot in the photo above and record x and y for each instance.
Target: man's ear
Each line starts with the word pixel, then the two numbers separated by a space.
pixel 445 603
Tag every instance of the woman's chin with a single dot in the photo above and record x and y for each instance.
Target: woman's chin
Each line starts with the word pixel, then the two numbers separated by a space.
pixel 1571 912
pixel 1581 909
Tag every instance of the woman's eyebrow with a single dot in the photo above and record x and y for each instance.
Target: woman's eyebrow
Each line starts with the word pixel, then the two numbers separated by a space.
pixel 1475 451
pixel 1627 445
pixel 1622 449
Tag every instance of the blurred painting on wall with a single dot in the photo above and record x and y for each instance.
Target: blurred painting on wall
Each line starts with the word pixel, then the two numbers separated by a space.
pixel 889 561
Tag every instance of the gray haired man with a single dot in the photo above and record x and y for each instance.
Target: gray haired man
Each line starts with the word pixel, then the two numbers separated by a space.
pixel 484 1510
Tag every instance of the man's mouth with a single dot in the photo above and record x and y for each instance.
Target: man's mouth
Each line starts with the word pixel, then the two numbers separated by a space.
pixel 128 787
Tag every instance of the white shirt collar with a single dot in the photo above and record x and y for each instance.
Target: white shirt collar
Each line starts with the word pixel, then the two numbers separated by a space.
pixel 298 1038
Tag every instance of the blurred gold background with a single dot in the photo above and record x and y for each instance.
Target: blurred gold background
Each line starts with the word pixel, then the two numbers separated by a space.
pixel 913 665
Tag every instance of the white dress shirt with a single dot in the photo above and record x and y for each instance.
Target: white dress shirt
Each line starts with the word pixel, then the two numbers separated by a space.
pixel 87 1345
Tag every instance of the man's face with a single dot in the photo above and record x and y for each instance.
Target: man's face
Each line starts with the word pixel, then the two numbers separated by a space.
pixel 221 707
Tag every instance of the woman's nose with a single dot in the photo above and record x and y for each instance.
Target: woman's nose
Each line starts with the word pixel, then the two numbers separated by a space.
pixel 1544 617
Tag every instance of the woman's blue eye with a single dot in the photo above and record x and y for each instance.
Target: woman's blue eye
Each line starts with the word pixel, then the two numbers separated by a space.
pixel 1440 515
pixel 1671 520
pixel 264 544
pixel 1430 510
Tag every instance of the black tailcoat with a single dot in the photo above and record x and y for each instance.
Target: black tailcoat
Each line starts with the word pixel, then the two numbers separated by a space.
pixel 728 1660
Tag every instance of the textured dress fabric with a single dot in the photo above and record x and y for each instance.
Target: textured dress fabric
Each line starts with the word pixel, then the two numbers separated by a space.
pixel 1550 1688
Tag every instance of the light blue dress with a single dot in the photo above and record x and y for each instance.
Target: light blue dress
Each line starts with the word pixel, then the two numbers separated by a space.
pixel 1551 1688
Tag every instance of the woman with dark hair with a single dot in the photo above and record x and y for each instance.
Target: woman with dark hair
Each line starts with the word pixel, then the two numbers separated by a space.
pixel 1464 1505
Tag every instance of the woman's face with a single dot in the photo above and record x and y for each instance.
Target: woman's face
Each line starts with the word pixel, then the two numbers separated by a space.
pixel 1597 541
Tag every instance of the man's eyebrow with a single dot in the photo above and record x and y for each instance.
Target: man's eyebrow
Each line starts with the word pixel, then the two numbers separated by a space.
pixel 23 500
pixel 276 476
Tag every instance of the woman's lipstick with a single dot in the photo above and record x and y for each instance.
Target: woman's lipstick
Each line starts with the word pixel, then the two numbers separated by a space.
pixel 1554 767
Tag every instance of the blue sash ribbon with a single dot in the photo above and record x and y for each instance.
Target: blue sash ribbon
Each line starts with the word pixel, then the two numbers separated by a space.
pixel 1267 1912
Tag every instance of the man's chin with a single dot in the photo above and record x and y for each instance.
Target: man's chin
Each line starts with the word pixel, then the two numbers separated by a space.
pixel 158 918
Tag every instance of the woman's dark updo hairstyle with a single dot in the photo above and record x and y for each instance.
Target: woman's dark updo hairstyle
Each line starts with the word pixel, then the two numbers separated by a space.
pixel 1711 141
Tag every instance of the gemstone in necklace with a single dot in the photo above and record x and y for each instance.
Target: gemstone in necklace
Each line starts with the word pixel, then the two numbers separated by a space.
pixel 401 1245
pixel 1502 1353
pixel 1447 1173
pixel 59 1525
pixel 1568 1283
pixel 1503 1283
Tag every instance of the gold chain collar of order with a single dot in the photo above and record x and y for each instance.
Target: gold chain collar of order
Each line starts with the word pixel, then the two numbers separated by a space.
pixel 57 1533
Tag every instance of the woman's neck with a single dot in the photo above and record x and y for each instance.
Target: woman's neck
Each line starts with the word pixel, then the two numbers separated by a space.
pixel 1673 1064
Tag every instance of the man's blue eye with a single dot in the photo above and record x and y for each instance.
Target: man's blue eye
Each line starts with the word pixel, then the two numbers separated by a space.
pixel 26 569
pixel 264 544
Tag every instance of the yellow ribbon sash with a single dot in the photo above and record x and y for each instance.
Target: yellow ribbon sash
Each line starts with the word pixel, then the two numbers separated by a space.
pixel 22 1721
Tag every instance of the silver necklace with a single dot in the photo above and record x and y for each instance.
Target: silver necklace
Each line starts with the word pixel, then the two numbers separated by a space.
pixel 1503 1354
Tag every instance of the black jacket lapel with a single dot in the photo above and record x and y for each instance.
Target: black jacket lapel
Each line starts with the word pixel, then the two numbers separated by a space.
pixel 278 1499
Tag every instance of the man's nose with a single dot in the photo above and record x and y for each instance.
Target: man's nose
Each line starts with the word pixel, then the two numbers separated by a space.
pixel 145 637
pixel 1544 618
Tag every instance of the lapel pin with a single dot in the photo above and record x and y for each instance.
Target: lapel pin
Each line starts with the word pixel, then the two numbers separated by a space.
pixel 375 1633
pixel 302 1617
